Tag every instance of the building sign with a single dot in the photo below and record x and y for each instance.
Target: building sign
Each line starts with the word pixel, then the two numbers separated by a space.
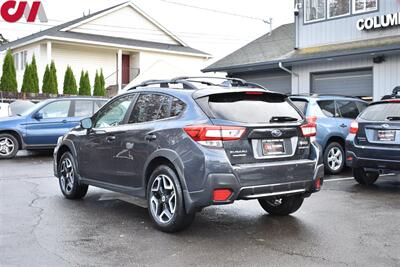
pixel 377 22
pixel 13 11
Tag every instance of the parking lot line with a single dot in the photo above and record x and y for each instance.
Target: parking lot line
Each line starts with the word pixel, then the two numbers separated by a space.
pixel 351 178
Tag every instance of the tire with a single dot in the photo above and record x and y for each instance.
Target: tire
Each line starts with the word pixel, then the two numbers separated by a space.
pixel 334 158
pixel 8 146
pixel 287 205
pixel 68 180
pixel 365 178
pixel 165 201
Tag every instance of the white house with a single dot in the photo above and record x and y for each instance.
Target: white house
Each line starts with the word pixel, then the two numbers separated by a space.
pixel 128 44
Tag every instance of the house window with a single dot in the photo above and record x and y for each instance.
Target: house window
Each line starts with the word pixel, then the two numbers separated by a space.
pixel 315 10
pixel 360 6
pixel 16 61
pixel 24 59
pixel 338 8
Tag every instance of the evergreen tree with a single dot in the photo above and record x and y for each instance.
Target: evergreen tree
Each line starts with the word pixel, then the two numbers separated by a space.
pixel 53 74
pixel 49 83
pixel 27 83
pixel 70 87
pixel 84 84
pixel 8 81
pixel 35 76
pixel 98 86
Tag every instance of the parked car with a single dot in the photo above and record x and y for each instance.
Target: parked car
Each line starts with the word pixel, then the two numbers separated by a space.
pixel 40 126
pixel 186 149
pixel 333 116
pixel 4 111
pixel 19 107
pixel 373 145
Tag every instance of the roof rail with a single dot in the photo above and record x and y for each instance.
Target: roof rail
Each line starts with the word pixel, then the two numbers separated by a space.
pixel 188 83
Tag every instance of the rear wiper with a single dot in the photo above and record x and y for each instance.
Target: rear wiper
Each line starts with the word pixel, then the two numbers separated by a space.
pixel 393 118
pixel 282 119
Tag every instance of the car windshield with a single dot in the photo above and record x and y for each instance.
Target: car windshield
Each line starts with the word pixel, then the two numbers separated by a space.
pixel 382 112
pixel 249 107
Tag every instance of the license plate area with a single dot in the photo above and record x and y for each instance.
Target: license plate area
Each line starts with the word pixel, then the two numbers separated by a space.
pixel 386 135
pixel 275 147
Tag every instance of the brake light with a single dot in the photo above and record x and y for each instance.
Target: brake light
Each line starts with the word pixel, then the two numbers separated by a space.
pixel 354 127
pixel 222 194
pixel 394 101
pixel 309 129
pixel 254 93
pixel 312 119
pixel 209 135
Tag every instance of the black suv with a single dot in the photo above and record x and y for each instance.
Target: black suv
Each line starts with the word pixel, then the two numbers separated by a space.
pixel 373 145
pixel 183 147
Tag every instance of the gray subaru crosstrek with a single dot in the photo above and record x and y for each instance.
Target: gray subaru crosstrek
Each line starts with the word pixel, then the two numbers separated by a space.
pixel 185 144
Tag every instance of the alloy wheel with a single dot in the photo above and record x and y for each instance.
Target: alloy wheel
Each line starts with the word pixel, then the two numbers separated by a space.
pixel 7 146
pixel 335 158
pixel 67 175
pixel 163 199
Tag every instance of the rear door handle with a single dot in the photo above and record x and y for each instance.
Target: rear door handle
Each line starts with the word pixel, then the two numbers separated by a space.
pixel 150 137
pixel 343 125
pixel 110 139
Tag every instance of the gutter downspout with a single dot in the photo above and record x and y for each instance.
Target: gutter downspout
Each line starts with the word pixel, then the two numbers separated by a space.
pixel 293 74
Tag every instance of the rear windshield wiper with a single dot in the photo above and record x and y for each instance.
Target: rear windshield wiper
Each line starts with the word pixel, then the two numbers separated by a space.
pixel 393 118
pixel 282 119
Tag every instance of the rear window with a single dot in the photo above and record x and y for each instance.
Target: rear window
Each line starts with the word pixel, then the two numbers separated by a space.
pixel 381 112
pixel 302 105
pixel 251 108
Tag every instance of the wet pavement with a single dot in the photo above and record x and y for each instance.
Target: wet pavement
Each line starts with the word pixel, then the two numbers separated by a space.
pixel 344 224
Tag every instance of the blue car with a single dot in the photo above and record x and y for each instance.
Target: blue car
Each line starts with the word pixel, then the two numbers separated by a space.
pixel 333 116
pixel 40 126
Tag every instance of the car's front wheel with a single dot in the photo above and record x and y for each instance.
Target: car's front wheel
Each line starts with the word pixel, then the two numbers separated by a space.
pixel 165 201
pixel 8 146
pixel 364 177
pixel 281 205
pixel 68 180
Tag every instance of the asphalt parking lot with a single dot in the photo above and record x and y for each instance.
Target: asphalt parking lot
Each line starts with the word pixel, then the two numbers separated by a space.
pixel 344 224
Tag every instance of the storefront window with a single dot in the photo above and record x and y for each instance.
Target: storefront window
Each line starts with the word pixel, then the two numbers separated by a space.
pixel 337 8
pixel 360 6
pixel 315 10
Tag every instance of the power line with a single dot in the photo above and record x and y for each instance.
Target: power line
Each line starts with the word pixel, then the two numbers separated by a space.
pixel 215 11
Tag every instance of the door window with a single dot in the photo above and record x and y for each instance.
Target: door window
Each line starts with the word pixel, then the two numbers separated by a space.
pixel 114 113
pixel 328 108
pixel 58 109
pixel 177 107
pixel 348 109
pixel 150 107
pixel 83 108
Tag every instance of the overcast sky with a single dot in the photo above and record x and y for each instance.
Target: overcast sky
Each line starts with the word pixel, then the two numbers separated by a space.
pixel 215 33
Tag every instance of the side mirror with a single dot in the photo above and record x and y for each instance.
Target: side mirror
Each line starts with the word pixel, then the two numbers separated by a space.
pixel 39 116
pixel 87 123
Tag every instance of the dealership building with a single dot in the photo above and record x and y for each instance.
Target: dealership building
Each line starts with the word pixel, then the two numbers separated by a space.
pixel 346 47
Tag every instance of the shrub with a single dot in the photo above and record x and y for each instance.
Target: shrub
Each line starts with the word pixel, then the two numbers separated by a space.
pixel 48 86
pixel 70 87
pixel 84 84
pixel 8 81
pixel 53 75
pixel 99 85
pixel 27 82
pixel 35 76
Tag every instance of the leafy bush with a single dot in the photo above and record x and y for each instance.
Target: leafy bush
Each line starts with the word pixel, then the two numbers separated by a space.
pixel 8 81
pixel 84 84
pixel 70 87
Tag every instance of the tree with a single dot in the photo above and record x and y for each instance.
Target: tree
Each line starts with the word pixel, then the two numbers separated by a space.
pixel 27 83
pixel 99 84
pixel 70 87
pixel 48 86
pixel 84 84
pixel 8 81
pixel 35 76
pixel 53 73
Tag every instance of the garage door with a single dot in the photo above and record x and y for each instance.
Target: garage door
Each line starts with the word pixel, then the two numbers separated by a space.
pixel 274 81
pixel 353 83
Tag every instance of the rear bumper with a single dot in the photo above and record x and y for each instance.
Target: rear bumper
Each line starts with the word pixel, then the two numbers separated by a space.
pixel 305 186
pixel 371 163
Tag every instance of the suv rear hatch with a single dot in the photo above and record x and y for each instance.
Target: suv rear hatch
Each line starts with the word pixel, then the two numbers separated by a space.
pixel 273 134
pixel 379 130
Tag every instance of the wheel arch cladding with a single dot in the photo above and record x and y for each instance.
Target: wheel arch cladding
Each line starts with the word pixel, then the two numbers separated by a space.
pixel 336 139
pixel 164 157
pixel 17 136
pixel 67 146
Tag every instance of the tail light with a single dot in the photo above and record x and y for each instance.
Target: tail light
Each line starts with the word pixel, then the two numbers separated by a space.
pixel 222 194
pixel 354 127
pixel 309 129
pixel 209 135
